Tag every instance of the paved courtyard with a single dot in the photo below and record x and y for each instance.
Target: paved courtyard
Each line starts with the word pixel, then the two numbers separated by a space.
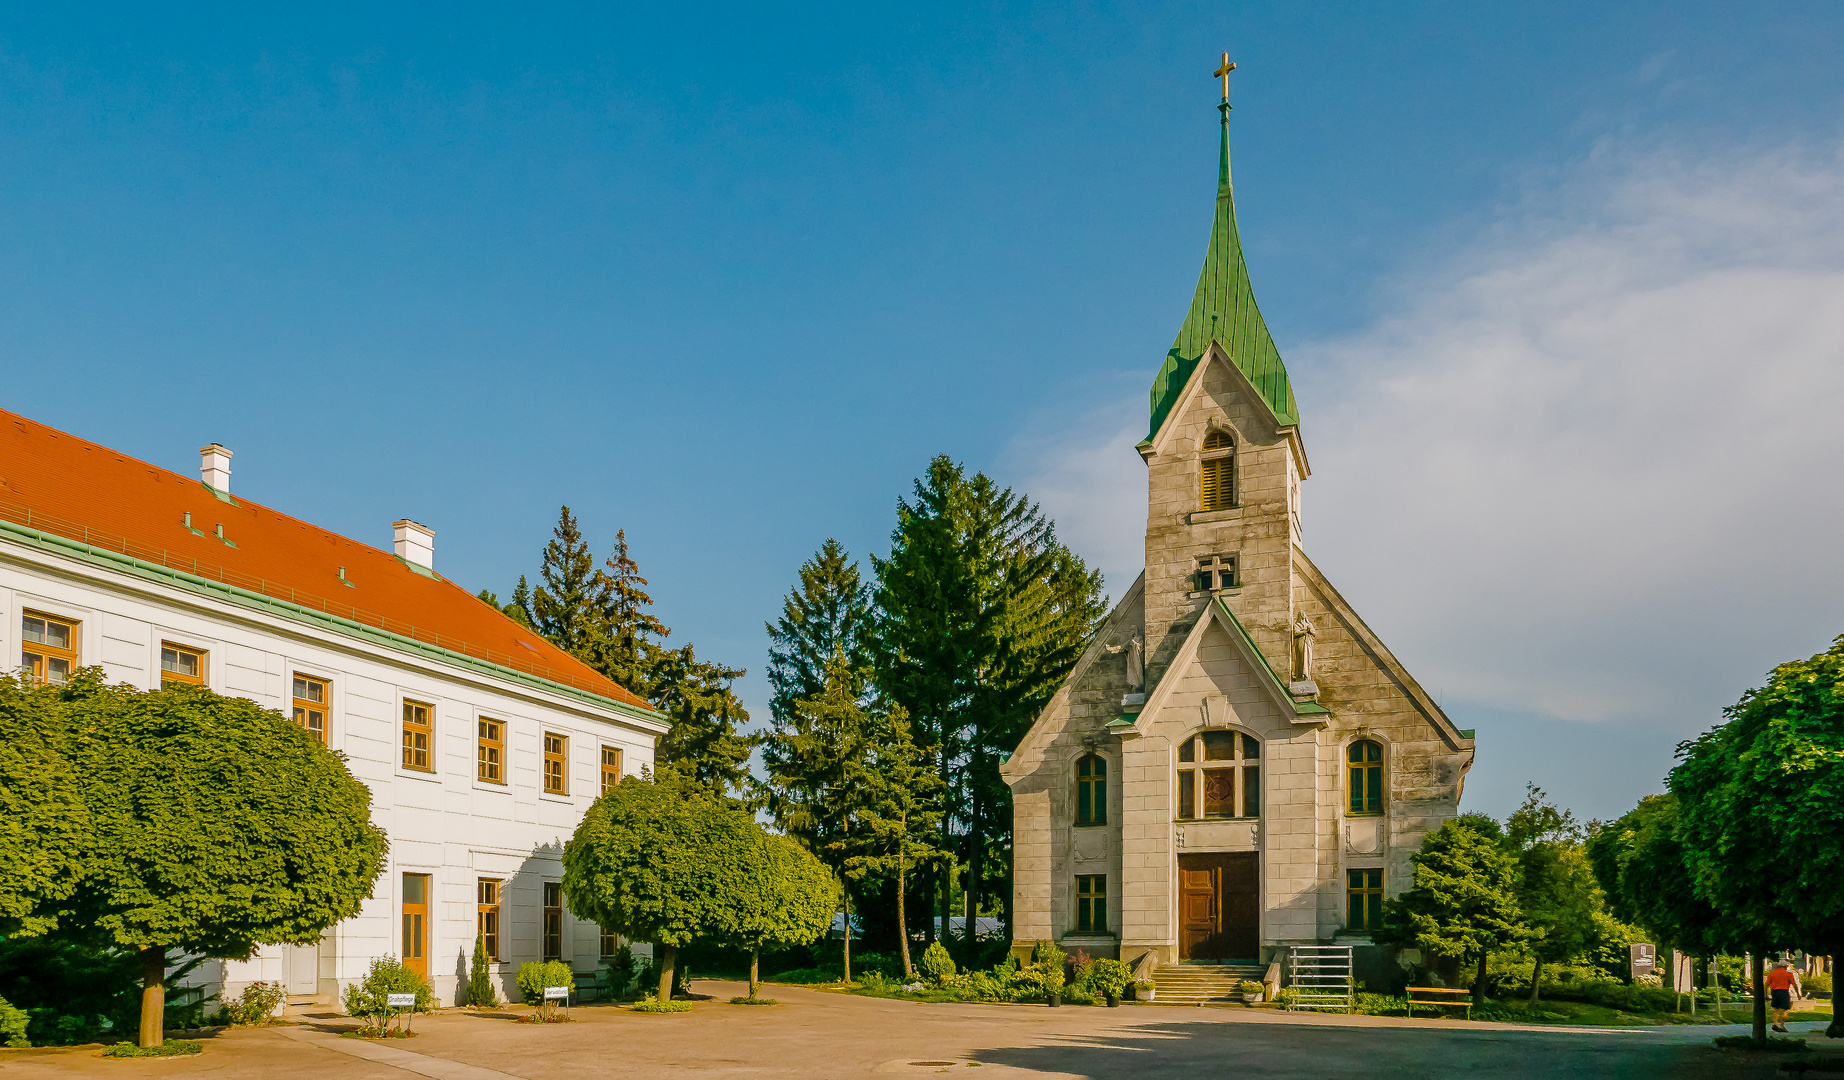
pixel 821 1035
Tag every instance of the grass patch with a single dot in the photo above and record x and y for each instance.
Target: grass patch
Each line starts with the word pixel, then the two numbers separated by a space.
pixel 371 1033
pixel 169 1048
pixel 805 977
pixel 656 1006
pixel 1775 1043
pixel 753 1001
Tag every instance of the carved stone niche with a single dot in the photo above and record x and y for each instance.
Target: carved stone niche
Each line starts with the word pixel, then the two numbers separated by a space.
pixel 1364 835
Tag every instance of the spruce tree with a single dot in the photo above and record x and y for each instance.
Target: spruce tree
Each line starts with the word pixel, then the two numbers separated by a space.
pixel 568 607
pixel 707 743
pixel 1462 902
pixel 631 638
pixel 981 614
pixel 895 793
pixel 826 615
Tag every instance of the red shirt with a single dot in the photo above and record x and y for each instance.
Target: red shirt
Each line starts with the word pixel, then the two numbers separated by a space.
pixel 1780 979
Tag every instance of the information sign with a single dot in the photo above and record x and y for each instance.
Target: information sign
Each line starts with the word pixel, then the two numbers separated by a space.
pixel 1644 959
pixel 554 993
pixel 400 1001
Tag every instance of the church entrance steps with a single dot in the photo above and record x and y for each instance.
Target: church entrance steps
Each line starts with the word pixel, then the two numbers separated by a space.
pixel 1197 984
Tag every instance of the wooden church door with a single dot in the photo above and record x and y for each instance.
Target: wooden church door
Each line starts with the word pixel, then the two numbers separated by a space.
pixel 1219 906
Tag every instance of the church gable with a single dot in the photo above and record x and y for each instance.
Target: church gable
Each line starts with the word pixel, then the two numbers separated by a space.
pixel 1090 698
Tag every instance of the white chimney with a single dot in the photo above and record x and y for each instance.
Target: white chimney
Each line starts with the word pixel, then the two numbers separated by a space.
pixel 214 467
pixel 414 543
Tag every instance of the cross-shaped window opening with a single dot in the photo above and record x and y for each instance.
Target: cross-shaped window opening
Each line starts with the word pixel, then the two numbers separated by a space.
pixel 1216 572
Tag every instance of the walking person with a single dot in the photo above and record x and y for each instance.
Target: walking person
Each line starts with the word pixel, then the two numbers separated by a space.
pixel 1782 981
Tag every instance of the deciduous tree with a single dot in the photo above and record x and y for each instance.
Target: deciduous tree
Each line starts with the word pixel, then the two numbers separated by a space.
pixel 218 826
pixel 784 896
pixel 1556 888
pixel 1762 821
pixel 658 859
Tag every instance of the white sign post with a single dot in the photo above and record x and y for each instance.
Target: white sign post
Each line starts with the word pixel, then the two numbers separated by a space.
pixel 401 1001
pixel 557 993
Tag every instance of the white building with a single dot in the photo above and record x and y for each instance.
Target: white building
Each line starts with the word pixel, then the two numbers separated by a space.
pixel 482 743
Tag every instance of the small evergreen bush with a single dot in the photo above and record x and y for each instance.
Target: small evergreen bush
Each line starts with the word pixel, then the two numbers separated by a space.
pixel 370 998
pixel 621 970
pixel 481 993
pixel 937 966
pixel 534 977
pixel 257 1003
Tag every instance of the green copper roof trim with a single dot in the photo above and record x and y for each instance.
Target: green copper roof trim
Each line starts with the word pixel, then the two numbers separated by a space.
pixel 1223 310
pixel 245 598
pixel 1465 732
pixel 1300 708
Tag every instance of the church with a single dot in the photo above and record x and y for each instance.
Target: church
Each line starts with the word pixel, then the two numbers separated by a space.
pixel 1237 766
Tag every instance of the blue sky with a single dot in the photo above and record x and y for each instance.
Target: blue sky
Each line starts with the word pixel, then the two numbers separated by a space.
pixel 1555 282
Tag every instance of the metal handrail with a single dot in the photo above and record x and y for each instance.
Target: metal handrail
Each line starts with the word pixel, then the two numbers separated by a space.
pixel 121 545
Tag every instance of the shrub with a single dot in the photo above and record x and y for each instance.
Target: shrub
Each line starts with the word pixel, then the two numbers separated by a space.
pixel 370 999
pixel 169 1048
pixel 1651 981
pixel 534 977
pixel 1110 978
pixel 12 1025
pixel 1818 985
pixel 481 993
pixel 1250 986
pixel 621 970
pixel 257 1003
pixel 936 964
pixel 748 1001
pixel 651 1005
pixel 1044 953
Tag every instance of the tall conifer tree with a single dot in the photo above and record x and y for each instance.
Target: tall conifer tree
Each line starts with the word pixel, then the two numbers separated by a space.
pixel 826 615
pixel 981 614
pixel 568 606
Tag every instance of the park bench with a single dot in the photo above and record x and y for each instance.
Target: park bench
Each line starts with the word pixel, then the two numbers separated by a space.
pixel 591 985
pixel 1440 997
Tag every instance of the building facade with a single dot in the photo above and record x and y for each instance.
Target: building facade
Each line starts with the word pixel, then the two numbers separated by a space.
pixel 481 742
pixel 1237 764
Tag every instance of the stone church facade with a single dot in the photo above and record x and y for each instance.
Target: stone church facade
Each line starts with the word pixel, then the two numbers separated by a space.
pixel 1237 764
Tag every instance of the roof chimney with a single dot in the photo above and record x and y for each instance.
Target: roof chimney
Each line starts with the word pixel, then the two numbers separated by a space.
pixel 214 467
pixel 414 543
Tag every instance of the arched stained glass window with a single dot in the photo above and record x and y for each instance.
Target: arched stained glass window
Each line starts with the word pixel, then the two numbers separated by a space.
pixel 1366 777
pixel 1092 791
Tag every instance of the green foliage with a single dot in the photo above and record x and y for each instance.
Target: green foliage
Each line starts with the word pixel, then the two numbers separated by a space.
pixel 753 1001
pixel 534 976
pixel 1639 862
pixel 1109 978
pixel 783 895
pixel 827 615
pixel 1556 889
pixel 73 991
pixel 169 1048
pixel 1818 985
pixel 1762 801
pixel 1462 901
pixel 1047 963
pixel 1250 986
pixel 45 827
pixel 481 993
pixel 621 968
pixel 937 966
pixel 369 999
pixel 1044 952
pixel 652 1006
pixel 981 613
pixel 567 608
pixel 13 1023
pixel 257 1003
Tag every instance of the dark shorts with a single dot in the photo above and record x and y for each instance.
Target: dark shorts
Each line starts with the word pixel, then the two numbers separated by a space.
pixel 1783 999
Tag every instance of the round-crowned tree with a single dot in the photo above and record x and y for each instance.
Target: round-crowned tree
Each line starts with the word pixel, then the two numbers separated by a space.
pixel 786 897
pixel 217 826
pixel 661 860
pixel 44 824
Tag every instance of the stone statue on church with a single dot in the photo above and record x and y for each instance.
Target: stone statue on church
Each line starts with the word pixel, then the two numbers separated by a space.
pixel 1136 662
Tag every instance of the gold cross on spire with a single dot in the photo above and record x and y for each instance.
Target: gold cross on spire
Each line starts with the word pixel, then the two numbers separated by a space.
pixel 1223 73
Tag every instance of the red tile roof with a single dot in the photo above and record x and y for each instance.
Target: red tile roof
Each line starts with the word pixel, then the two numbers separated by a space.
pixel 57 483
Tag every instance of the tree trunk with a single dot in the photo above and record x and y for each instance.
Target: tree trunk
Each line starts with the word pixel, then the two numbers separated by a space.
pixel 153 995
pixel 1835 1029
pixel 1757 966
pixel 1479 981
pixel 1536 979
pixel 902 917
pixel 755 970
pixel 947 899
pixel 848 935
pixel 668 959
pixel 976 852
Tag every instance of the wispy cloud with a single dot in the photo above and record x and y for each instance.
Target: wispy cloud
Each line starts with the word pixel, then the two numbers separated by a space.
pixel 1588 470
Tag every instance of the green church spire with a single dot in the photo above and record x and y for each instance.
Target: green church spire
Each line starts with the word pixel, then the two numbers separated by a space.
pixel 1223 310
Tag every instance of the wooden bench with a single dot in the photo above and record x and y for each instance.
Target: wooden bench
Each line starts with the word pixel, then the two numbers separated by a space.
pixel 591 985
pixel 1440 997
